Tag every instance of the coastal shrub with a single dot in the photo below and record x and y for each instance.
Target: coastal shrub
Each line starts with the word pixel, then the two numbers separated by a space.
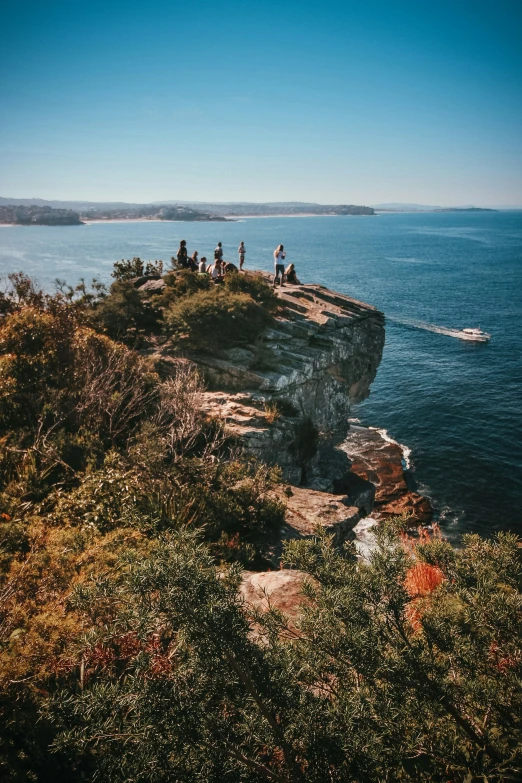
pixel 98 459
pixel 127 269
pixel 124 314
pixel 209 689
pixel 209 320
pixel 255 286
pixel 36 350
pixel 183 283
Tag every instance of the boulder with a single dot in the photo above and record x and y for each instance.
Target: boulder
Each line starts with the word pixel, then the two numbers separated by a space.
pixel 278 589
pixel 307 509
pixel 153 285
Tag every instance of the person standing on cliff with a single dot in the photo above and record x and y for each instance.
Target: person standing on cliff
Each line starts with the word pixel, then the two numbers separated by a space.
pixel 218 252
pixel 241 254
pixel 181 256
pixel 279 264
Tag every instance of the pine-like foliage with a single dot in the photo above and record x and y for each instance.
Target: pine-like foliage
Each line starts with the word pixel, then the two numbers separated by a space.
pixel 178 684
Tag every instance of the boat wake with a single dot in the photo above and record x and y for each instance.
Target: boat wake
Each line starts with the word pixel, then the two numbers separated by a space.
pixel 426 327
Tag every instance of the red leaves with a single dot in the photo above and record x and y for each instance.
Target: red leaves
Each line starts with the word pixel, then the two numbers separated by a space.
pixel 422 579
pixel 121 651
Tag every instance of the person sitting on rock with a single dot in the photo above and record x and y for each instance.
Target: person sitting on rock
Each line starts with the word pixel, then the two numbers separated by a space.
pixel 216 271
pixel 290 275
pixel 202 266
pixel 194 261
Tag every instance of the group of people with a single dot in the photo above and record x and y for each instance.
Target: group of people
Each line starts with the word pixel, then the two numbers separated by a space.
pixel 220 268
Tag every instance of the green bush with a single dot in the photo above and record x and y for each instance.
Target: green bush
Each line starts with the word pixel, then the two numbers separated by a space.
pixel 378 683
pixel 127 269
pixel 255 286
pixel 124 313
pixel 182 283
pixel 216 319
pixel 36 352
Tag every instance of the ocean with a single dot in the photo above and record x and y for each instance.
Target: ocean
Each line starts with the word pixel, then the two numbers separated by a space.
pixel 455 406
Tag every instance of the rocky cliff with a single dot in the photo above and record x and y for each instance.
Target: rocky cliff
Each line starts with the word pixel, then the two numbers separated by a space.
pixel 289 397
pixel 288 400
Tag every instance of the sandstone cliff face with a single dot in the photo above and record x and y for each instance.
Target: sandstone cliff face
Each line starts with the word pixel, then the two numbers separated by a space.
pixel 322 355
pixel 289 398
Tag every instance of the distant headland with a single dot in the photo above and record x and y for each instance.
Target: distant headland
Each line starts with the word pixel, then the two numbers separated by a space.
pixel 41 212
pixel 429 208
pixel 19 215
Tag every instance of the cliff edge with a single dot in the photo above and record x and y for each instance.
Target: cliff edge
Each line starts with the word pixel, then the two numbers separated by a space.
pixel 287 399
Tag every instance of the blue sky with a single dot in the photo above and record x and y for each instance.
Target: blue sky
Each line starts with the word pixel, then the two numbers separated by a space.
pixel 335 102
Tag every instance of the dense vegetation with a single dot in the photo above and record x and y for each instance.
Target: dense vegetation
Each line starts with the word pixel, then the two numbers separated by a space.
pixel 125 519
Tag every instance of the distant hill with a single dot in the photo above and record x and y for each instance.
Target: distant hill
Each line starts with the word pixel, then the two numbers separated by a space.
pixel 41 213
pixel 176 212
pixel 210 210
pixel 239 208
pixel 79 206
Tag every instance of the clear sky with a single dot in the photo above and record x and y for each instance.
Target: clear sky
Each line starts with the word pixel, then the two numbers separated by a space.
pixel 335 102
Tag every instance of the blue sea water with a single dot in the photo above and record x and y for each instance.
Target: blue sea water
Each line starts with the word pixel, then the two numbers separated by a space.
pixel 456 405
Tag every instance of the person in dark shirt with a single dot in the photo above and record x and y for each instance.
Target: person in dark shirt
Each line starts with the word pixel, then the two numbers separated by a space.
pixel 290 275
pixel 218 252
pixel 181 256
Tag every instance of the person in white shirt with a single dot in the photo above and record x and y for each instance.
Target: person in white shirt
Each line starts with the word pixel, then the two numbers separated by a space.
pixel 202 266
pixel 216 271
pixel 279 263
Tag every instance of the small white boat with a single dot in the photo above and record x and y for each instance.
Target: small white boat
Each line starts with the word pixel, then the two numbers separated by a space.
pixel 477 335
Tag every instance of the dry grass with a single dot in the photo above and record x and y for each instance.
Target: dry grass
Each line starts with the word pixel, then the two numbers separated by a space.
pixel 272 412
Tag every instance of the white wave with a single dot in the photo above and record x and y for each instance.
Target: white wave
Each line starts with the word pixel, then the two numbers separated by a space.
pixel 365 540
pixel 405 260
pixel 406 451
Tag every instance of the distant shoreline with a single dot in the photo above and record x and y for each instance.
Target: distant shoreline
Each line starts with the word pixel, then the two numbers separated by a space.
pixel 227 219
